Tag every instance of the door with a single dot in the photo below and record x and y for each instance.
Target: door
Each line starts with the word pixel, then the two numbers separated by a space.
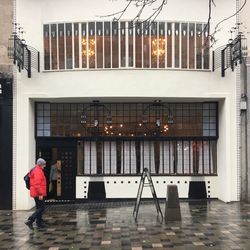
pixel 62 162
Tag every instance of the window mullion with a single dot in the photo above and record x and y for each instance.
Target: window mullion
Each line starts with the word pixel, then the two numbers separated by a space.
pixel 134 47
pixel 188 45
pixel 150 43
pixel 65 45
pixel 158 44
pixel 87 43
pixel 95 45
pixel 195 48
pixel 80 45
pixel 57 46
pixel 50 50
pixel 73 45
pixel 166 44
pixel 103 49
pixel 173 43
pixel 119 44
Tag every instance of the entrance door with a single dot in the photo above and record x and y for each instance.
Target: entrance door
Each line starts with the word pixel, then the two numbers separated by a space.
pixel 61 168
pixel 67 156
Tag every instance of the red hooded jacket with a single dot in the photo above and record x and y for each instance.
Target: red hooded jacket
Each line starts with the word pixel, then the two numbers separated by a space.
pixel 37 182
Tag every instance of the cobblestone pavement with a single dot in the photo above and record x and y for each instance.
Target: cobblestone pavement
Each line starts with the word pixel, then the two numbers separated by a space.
pixel 204 225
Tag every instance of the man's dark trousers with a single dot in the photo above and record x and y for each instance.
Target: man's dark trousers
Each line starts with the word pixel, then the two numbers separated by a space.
pixel 37 215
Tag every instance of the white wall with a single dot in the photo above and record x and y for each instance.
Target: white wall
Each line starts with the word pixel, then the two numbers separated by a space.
pixel 168 85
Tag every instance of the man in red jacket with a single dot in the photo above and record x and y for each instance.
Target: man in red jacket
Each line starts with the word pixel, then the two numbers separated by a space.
pixel 38 192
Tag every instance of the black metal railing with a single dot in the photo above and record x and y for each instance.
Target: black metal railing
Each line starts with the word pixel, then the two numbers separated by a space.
pixel 230 55
pixel 24 56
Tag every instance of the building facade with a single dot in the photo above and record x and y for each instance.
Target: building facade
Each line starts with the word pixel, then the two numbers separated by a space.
pixel 6 105
pixel 115 97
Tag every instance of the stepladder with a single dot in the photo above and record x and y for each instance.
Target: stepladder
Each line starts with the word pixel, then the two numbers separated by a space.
pixel 146 183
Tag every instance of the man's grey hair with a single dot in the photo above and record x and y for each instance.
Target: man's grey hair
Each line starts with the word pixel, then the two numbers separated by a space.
pixel 40 162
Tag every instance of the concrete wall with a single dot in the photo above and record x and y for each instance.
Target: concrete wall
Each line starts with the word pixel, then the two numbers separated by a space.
pixel 86 85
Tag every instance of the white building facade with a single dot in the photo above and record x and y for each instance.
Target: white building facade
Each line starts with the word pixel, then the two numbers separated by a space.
pixel 115 97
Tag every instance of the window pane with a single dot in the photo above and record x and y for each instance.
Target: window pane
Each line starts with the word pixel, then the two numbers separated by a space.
pixel 138 45
pixel 46 47
pixel 191 45
pixel 161 49
pixel 54 46
pixel 91 43
pixel 123 44
pixel 61 46
pixel 169 45
pixel 99 44
pixel 84 45
pixel 154 45
pixel 107 44
pixel 184 45
pixel 131 45
pixel 76 44
pixel 198 46
pixel 115 53
pixel 146 48
pixel 177 45
pixel 206 47
pixel 69 45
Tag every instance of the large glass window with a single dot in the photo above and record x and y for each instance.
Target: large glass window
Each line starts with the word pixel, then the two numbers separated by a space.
pixel 123 138
pixel 126 44
pixel 163 120
pixel 130 157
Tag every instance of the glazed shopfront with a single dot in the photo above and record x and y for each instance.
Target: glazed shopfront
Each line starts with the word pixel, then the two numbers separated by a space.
pixel 113 142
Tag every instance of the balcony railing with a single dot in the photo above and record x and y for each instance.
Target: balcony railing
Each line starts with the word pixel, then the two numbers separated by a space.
pixel 230 55
pixel 24 56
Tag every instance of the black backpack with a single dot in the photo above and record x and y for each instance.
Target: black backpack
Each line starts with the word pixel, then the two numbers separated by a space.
pixel 27 179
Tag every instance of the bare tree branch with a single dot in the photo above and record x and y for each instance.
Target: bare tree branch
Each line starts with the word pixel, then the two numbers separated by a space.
pixel 142 5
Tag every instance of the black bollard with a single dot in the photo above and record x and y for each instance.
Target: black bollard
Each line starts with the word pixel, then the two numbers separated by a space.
pixel 172 209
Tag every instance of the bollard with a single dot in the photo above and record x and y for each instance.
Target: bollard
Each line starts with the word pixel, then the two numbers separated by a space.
pixel 172 209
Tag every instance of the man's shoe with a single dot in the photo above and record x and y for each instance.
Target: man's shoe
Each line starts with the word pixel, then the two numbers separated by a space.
pixel 29 224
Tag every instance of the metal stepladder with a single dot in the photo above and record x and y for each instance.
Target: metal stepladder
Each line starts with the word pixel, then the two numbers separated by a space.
pixel 150 184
